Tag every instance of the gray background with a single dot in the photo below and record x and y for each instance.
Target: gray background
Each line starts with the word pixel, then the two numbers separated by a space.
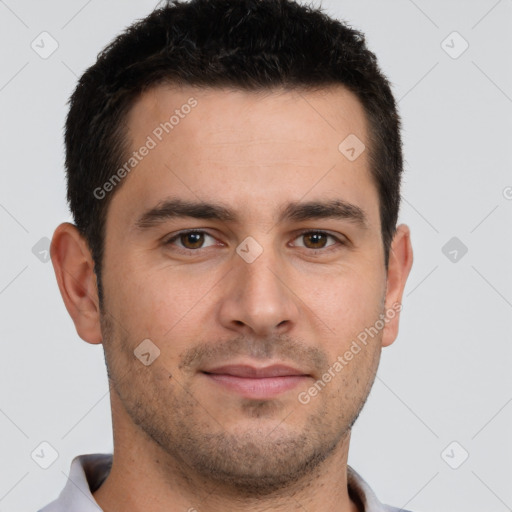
pixel 447 377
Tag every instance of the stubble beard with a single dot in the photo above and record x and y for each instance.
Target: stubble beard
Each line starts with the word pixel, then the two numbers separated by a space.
pixel 256 462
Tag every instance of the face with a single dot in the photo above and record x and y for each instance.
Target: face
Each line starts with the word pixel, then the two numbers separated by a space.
pixel 265 299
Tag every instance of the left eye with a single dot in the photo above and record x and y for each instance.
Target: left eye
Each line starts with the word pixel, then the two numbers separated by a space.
pixel 316 239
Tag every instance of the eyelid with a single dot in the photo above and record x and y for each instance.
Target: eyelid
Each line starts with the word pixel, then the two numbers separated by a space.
pixel 340 239
pixel 176 236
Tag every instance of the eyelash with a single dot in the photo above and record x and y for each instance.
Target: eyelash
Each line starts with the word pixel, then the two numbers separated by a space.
pixel 335 246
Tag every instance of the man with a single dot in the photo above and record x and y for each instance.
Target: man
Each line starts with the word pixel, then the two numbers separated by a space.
pixel 234 174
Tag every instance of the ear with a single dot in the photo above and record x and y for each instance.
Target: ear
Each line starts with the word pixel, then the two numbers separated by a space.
pixel 400 263
pixel 74 270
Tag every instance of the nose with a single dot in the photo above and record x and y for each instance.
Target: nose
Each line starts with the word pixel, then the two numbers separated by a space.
pixel 258 298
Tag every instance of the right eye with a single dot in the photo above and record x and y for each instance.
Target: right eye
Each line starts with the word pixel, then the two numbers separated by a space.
pixel 190 240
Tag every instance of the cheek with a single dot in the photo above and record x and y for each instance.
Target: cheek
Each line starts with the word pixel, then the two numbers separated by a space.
pixel 133 299
pixel 162 304
pixel 349 303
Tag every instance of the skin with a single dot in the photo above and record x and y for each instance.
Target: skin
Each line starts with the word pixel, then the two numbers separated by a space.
pixel 182 441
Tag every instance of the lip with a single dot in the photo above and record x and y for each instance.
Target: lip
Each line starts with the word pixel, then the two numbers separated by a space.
pixel 256 383
pixel 247 371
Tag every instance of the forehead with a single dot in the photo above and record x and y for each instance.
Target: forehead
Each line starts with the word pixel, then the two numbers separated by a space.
pixel 252 150
pixel 326 113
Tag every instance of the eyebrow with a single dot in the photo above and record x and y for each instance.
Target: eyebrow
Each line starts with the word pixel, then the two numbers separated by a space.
pixel 294 211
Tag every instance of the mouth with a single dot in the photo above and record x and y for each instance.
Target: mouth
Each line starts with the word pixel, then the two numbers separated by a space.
pixel 256 383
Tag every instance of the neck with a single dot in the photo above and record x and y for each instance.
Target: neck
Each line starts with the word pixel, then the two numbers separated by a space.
pixel 145 478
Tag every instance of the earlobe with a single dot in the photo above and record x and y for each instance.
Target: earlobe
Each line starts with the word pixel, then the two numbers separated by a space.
pixel 400 263
pixel 74 269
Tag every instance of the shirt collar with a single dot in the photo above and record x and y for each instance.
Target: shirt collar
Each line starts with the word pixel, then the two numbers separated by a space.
pixel 363 494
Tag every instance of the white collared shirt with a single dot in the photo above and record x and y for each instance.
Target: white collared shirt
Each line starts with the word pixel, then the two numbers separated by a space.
pixel 88 472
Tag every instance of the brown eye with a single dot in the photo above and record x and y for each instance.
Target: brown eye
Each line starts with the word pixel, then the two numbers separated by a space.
pixel 320 241
pixel 190 240
pixel 315 240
